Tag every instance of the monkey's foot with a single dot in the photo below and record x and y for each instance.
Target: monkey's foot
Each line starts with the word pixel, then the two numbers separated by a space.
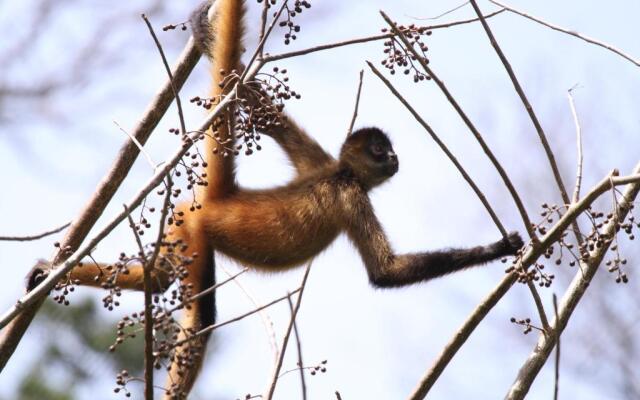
pixel 37 274
pixel 513 243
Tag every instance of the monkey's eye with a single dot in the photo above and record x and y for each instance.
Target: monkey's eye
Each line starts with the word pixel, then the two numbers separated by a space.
pixel 377 149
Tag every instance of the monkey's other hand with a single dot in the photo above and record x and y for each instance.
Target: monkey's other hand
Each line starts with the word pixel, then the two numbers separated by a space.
pixel 37 274
pixel 512 243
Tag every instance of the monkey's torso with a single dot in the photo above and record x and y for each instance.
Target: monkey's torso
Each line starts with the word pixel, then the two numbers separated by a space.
pixel 282 227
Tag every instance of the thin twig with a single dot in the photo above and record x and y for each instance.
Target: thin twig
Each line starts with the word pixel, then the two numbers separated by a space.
pixel 285 340
pixel 532 366
pixel 33 237
pixel 263 25
pixel 572 105
pixel 208 290
pixel 557 364
pixel 263 40
pixel 175 90
pixel 303 384
pixel 569 32
pixel 530 112
pixel 355 108
pixel 148 267
pixel 211 328
pixel 148 325
pixel 138 144
pixel 456 8
pixel 296 53
pixel 470 125
pixel 264 316
pixel 539 306
pixel 444 149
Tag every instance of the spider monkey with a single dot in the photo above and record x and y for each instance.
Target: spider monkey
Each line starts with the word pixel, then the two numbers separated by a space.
pixel 283 227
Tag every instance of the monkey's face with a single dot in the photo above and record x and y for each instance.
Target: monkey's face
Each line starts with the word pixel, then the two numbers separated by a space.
pixel 382 159
pixel 370 154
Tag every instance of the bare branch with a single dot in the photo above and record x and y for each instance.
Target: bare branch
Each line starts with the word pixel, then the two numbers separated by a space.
pixel 303 384
pixel 149 265
pixel 263 40
pixel 532 115
pixel 235 319
pixel 460 337
pixel 470 125
pixel 367 39
pixel 538 302
pixel 528 258
pixel 33 237
pixel 285 340
pixel 449 11
pixel 569 32
pixel 577 288
pixel 355 108
pixel 263 24
pixel 264 316
pixel 146 155
pixel 174 89
pixel 444 148
pixel 209 289
pixel 557 363
pixel 572 105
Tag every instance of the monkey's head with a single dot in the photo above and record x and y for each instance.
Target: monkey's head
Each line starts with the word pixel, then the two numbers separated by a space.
pixel 368 153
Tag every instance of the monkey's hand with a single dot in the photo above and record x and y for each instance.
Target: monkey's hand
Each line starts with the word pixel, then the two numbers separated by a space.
pixel 512 243
pixel 37 274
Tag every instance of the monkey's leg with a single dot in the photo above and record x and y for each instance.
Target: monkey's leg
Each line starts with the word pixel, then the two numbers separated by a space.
pixel 106 275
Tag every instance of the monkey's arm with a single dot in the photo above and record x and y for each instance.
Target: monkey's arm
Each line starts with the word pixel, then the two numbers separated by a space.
pixel 385 269
pixel 303 151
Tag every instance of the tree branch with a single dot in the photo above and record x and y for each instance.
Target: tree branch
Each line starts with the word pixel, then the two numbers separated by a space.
pixel 532 366
pixel 569 32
